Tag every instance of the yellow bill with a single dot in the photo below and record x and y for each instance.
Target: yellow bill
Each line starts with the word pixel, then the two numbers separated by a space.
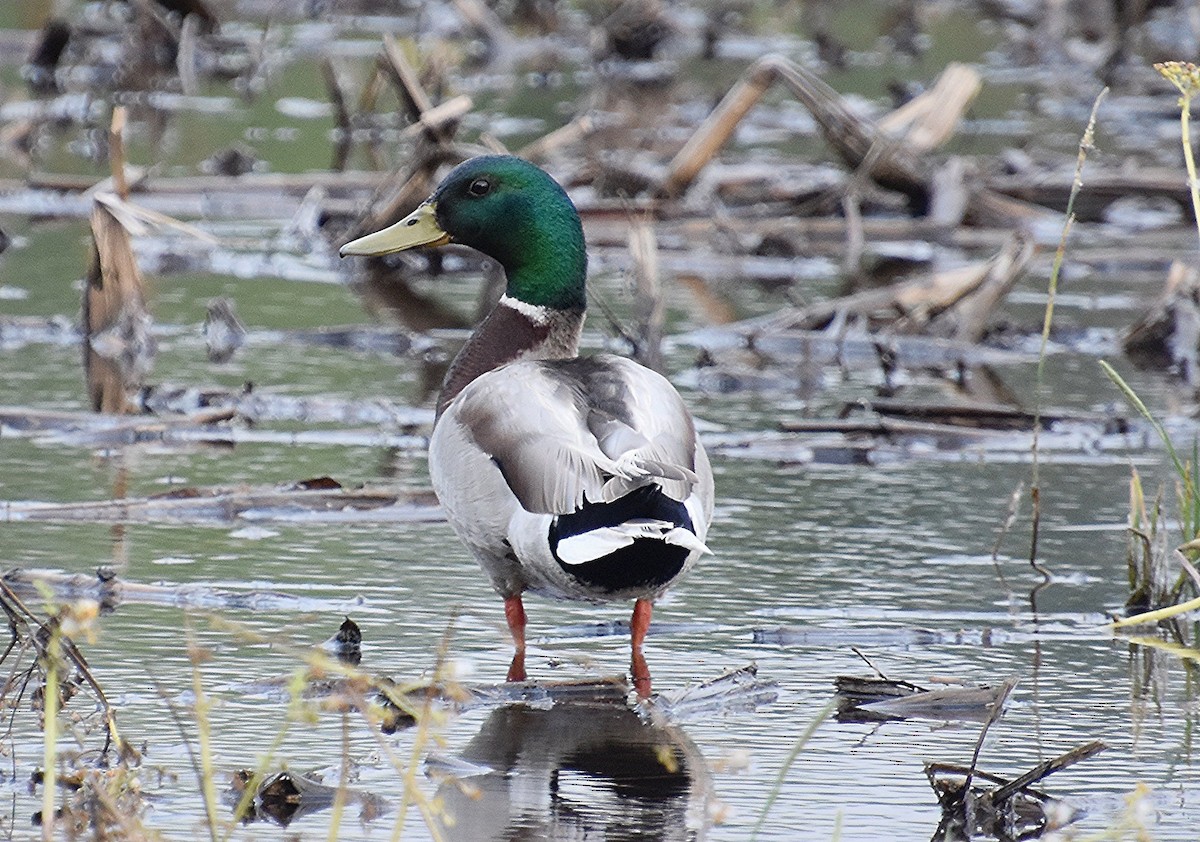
pixel 419 228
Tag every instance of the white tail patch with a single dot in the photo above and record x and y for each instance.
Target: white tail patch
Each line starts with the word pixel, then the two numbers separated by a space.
pixel 589 546
pixel 686 538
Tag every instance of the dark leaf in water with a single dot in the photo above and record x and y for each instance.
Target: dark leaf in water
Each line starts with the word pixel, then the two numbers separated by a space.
pixel 317 484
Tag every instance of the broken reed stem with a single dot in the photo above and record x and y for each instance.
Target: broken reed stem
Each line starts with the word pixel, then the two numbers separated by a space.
pixel 50 734
pixel 204 736
pixel 420 739
pixel 823 714
pixel 116 152
pixel 339 796
pixel 993 717
pixel 1158 614
pixel 264 761
pixel 1085 145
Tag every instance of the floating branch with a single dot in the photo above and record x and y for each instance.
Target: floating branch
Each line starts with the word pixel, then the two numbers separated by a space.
pixel 320 499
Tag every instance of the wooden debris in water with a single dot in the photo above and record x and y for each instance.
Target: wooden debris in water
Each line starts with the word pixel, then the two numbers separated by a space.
pixel 416 100
pixel 956 303
pixel 211 427
pixel 884 699
pixel 283 797
pixel 932 117
pixel 988 416
pixel 889 160
pixel 737 690
pixel 224 505
pixel 109 591
pixel 978 803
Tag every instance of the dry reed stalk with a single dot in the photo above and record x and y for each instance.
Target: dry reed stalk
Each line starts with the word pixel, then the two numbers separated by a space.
pixel 116 152
pixel 50 733
pixel 575 131
pixel 1035 491
pixel 648 298
pixel 200 707
pixel 117 345
pixel 932 117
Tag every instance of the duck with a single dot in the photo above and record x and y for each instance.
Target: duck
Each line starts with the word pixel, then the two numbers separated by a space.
pixel 573 477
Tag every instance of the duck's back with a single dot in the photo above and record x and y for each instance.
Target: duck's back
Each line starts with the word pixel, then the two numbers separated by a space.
pixel 534 440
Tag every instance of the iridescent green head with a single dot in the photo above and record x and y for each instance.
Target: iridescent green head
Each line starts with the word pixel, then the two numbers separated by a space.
pixel 511 211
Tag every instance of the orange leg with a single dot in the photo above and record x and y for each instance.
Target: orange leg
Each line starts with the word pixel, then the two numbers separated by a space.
pixel 514 613
pixel 639 624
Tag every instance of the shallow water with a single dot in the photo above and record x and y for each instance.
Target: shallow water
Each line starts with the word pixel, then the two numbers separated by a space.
pixel 891 557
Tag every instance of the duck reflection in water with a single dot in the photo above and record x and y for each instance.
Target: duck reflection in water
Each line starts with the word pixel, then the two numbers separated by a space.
pixel 577 771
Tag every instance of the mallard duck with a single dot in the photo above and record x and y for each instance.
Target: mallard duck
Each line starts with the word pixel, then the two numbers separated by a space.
pixel 573 477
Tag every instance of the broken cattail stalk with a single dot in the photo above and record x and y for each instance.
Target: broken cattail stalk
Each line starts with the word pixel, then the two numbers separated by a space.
pixel 1167 335
pixel 440 119
pixel 931 118
pixel 404 76
pixel 185 57
pixel 484 20
pixel 648 300
pixel 718 127
pixel 851 135
pixel 337 96
pixel 1047 768
pixel 912 305
pixel 116 151
pixel 573 132
pixel 118 347
pixel 967 320
pixel 890 161
pixel 342 123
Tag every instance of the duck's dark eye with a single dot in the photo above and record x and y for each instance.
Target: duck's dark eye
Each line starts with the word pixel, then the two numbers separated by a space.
pixel 479 187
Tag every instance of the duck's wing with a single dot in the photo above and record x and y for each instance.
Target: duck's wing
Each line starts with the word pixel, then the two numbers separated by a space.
pixel 560 431
pixel 637 418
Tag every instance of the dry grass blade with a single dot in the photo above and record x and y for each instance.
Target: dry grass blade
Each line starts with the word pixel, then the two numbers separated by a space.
pixel 822 715
pixel 1035 490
